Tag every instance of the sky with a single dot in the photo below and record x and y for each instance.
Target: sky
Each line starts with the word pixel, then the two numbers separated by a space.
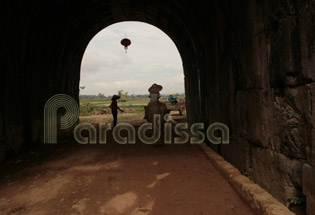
pixel 151 58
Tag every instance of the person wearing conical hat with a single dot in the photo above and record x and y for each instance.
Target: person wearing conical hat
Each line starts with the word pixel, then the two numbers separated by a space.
pixel 155 107
pixel 154 96
pixel 172 99
pixel 155 88
pixel 154 92
pixel 114 107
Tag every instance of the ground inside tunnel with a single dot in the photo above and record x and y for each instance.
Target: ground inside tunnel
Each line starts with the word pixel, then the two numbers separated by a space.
pixel 116 179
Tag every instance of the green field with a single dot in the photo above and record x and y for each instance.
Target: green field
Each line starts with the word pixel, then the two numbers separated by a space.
pixel 133 107
pixel 88 107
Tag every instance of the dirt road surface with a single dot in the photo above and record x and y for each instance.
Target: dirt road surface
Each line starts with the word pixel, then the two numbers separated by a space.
pixel 116 179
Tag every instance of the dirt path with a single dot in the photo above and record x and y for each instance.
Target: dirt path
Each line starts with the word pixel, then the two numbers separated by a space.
pixel 116 179
pixel 120 179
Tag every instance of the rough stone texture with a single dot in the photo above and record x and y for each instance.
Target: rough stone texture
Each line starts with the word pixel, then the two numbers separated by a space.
pixel 285 49
pixel 310 150
pixel 309 187
pixel 306 21
pixel 292 126
pixel 253 120
pixel 248 64
pixel 271 107
pixel 269 169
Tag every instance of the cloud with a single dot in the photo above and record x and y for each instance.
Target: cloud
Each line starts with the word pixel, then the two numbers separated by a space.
pixel 151 58
pixel 120 84
pixel 112 87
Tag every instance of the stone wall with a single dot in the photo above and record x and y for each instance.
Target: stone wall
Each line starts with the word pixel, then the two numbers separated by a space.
pixel 270 110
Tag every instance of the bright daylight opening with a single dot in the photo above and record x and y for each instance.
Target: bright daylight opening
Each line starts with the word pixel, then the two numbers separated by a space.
pixel 108 69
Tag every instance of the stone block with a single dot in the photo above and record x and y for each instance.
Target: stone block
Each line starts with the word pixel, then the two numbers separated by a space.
pixel 278 174
pixel 254 117
pixel 282 8
pixel 309 188
pixel 292 127
pixel 306 21
pixel 310 150
pixel 284 48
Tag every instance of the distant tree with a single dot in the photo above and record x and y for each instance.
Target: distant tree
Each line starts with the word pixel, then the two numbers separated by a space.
pixel 81 88
pixel 123 95
pixel 100 95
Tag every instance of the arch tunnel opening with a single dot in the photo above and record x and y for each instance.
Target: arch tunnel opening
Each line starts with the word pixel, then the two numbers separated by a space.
pixel 107 70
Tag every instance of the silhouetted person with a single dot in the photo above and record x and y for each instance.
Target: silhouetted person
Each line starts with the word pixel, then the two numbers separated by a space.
pixel 156 107
pixel 172 99
pixel 114 108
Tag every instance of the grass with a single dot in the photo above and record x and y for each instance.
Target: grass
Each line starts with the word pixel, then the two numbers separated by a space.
pixel 134 108
pixel 107 118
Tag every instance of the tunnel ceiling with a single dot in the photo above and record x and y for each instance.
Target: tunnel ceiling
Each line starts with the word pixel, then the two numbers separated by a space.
pixel 68 26
pixel 53 36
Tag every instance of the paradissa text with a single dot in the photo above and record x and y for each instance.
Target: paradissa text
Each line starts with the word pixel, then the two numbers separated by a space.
pixel 156 133
pixel 72 115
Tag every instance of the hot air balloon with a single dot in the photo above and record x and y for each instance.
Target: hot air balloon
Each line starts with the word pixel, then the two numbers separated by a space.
pixel 125 42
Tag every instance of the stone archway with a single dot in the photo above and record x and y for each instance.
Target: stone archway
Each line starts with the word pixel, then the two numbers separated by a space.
pixel 248 65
